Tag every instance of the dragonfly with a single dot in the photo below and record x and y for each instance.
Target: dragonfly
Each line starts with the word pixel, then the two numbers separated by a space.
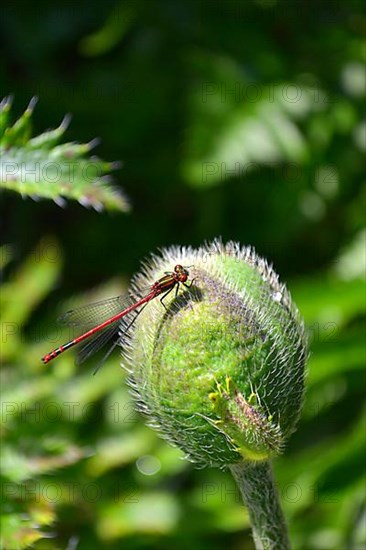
pixel 116 310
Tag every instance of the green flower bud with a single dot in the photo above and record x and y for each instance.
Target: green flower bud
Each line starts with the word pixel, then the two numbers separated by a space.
pixel 219 370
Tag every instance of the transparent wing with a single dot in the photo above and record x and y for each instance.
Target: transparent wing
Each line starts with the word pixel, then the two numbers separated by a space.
pixel 117 332
pixel 96 313
pixel 96 342
pixel 92 315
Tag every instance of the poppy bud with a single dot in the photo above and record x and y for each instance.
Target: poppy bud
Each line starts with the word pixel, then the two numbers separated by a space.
pixel 219 370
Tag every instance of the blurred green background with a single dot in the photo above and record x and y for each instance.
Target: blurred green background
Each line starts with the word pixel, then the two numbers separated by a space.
pixel 240 119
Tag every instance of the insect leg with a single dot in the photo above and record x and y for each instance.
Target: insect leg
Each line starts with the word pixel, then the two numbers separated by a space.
pixel 191 283
pixel 165 295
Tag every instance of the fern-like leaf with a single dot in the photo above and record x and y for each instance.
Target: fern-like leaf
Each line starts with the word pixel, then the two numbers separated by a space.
pixel 42 167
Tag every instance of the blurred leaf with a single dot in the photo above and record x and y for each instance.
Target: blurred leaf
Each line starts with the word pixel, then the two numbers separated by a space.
pixel 318 481
pixel 114 29
pixel 345 353
pixel 31 283
pixel 324 299
pixel 18 468
pixel 118 451
pixel 155 513
pixel 237 125
pixel 351 263
pixel 218 487
pixel 16 534
pixel 22 530
pixel 6 255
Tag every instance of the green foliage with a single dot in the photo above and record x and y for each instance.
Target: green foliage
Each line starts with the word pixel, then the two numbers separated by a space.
pixel 41 167
pixel 237 125
pixel 133 73
pixel 72 445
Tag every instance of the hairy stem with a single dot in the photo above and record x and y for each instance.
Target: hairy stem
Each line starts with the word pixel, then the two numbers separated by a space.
pixel 256 484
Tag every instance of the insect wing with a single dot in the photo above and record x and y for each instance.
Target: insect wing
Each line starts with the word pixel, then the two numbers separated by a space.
pixel 96 342
pixel 116 331
pixel 96 313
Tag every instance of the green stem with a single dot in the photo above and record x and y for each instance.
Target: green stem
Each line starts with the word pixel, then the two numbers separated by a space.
pixel 256 484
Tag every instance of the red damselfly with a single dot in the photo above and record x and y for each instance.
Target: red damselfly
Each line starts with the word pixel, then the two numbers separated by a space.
pixel 116 312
